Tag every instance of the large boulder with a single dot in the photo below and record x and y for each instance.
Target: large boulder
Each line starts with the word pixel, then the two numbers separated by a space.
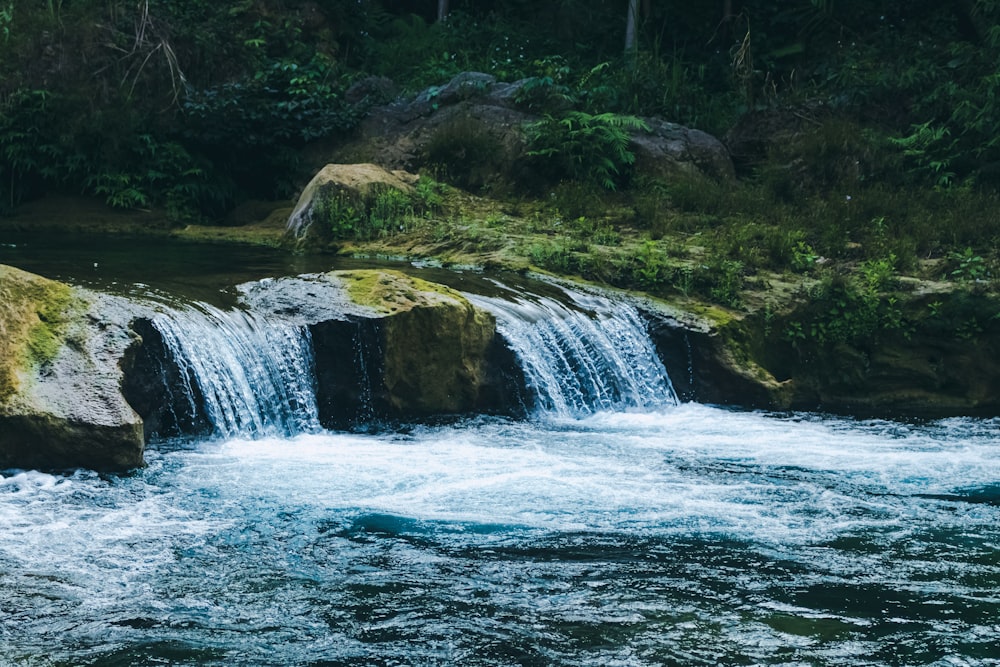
pixel 410 349
pixel 668 150
pixel 393 347
pixel 60 398
pixel 352 184
pixel 474 124
pixel 435 343
pixel 945 362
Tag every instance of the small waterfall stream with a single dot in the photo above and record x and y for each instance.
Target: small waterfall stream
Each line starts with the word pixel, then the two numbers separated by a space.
pixel 578 361
pixel 254 374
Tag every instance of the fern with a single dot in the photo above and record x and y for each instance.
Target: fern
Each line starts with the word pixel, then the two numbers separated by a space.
pixel 585 147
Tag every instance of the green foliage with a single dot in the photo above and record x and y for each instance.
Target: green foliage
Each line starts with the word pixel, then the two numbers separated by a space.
pixel 725 281
pixel 345 217
pixel 383 212
pixel 389 211
pixel 651 269
pixel 466 153
pixel 552 255
pixel 251 127
pixel 968 266
pixel 930 151
pixel 6 17
pixel 429 194
pixel 185 105
pixel 849 310
pixel 23 144
pixel 585 147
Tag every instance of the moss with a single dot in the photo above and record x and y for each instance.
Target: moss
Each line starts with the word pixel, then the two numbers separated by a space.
pixel 391 291
pixel 34 313
pixel 52 303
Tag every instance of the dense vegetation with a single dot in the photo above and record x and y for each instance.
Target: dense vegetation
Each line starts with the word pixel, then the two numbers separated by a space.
pixel 891 155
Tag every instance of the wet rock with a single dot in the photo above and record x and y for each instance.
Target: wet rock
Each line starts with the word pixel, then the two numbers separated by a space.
pixel 424 351
pixel 391 347
pixel 60 400
pixel 936 365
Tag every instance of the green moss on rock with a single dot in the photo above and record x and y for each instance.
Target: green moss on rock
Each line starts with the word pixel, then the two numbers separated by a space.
pixel 435 343
pixel 60 394
pixel 34 312
pixel 387 291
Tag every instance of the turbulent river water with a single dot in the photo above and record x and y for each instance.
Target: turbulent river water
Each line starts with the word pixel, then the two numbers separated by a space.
pixel 685 535
pixel 606 529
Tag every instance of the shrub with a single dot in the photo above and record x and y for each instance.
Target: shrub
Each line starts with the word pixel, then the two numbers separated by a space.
pixel 465 153
pixel 584 147
pixel 383 212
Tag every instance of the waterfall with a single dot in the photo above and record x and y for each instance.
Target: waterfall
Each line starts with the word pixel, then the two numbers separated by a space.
pixel 579 360
pixel 253 375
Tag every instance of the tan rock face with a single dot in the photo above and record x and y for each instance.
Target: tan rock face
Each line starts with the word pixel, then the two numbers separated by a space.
pixel 435 344
pixel 60 399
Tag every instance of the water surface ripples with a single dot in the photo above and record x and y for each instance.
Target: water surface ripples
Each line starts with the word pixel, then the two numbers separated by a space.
pixel 689 535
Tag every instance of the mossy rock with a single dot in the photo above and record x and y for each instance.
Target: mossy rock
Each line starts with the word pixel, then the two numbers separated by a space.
pixel 33 316
pixel 60 398
pixel 351 187
pixel 435 345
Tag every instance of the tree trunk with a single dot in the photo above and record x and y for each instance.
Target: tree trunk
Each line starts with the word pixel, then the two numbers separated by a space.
pixel 631 28
pixel 442 10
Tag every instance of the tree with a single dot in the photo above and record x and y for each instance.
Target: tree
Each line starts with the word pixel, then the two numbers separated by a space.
pixel 631 28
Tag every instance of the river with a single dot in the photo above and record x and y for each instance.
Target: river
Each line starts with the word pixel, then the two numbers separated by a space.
pixel 634 533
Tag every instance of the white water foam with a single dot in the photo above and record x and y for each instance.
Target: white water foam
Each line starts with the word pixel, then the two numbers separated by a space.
pixel 686 469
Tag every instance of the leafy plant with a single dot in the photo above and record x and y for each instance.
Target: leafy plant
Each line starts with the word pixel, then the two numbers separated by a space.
pixel 344 216
pixel 384 212
pixel 428 193
pixel 931 151
pixel 969 267
pixel 846 310
pixel 388 212
pixel 725 278
pixel 585 147
pixel 120 190
pixel 6 17
pixel 651 268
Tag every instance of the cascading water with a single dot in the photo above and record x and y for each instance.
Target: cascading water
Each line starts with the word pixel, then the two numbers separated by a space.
pixel 687 536
pixel 578 361
pixel 254 375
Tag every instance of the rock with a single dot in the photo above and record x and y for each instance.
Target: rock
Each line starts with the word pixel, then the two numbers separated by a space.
pixel 355 182
pixel 477 122
pixel 427 350
pixel 668 150
pixel 435 343
pixel 392 347
pixel 60 400
pixel 463 86
pixel 371 90
pixel 940 365
pixel 758 133
pixel 704 366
